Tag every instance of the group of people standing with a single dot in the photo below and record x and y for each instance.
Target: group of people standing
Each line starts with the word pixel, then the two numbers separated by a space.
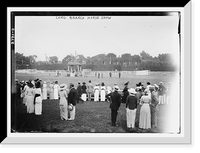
pixel 33 92
pixel 88 91
pixel 31 95
pixel 141 104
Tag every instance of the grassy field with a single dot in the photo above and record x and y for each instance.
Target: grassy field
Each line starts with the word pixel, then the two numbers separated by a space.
pixel 91 117
pixel 154 78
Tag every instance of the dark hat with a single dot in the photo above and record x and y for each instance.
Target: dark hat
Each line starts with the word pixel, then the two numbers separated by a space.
pixel 84 83
pixel 148 83
pixel 37 84
pixel 71 84
pixel 140 84
pixel 30 84
pixel 126 83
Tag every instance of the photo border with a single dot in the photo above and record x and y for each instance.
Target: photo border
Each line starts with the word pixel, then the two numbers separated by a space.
pixel 185 138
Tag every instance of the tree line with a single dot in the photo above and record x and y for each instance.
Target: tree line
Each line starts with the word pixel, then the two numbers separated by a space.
pixel 100 62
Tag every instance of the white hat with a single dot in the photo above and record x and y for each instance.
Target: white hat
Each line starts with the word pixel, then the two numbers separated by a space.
pixel 63 86
pixel 132 91
pixel 156 85
pixel 116 88
pixel 146 91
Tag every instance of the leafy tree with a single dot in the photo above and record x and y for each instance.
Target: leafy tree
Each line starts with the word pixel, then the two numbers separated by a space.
pixel 111 57
pixel 81 58
pixel 145 56
pixel 136 58
pixel 67 59
pixel 53 59
pixel 33 59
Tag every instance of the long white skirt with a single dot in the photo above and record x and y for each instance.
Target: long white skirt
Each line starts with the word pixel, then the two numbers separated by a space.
pixel 30 104
pixel 44 94
pixel 51 95
pixel 55 94
pixel 38 106
pixel 130 117
pixel 84 96
pixel 145 117
pixel 103 95
pixel 64 109
pixel 96 95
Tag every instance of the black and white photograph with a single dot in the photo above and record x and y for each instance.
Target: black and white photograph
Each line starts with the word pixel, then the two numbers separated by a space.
pixel 96 72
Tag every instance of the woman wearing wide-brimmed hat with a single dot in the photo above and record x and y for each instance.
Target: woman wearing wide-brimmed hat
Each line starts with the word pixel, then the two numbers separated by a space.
pixel 30 98
pixel 63 92
pixel 145 114
pixel 131 106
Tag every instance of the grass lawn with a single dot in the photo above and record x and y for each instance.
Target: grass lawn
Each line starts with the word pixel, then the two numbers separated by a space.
pixel 91 117
pixel 133 79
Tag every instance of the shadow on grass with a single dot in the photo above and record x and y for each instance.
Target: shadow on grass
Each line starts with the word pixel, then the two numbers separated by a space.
pixel 91 117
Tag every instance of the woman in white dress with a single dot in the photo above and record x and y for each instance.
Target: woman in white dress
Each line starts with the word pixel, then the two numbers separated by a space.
pixel 44 89
pixel 96 92
pixel 51 93
pixel 63 92
pixel 145 114
pixel 109 89
pixel 55 89
pixel 103 91
pixel 29 93
pixel 23 92
pixel 38 99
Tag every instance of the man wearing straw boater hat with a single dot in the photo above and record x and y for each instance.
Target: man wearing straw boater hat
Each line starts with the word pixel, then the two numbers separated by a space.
pixel 131 106
pixel 72 100
pixel 115 104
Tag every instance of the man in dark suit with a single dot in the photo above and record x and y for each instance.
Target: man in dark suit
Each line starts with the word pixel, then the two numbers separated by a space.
pixel 153 107
pixel 72 100
pixel 79 93
pixel 115 104
pixel 125 92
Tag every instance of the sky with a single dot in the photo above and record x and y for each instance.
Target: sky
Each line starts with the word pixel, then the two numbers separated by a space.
pixel 62 36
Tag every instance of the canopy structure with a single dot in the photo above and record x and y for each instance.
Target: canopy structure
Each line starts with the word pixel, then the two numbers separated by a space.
pixel 74 66
pixel 74 69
